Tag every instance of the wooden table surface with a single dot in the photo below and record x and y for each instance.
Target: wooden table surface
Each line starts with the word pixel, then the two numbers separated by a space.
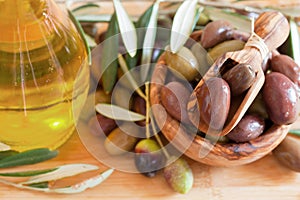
pixel 263 179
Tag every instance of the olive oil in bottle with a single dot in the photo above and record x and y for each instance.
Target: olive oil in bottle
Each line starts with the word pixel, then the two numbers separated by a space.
pixel 44 74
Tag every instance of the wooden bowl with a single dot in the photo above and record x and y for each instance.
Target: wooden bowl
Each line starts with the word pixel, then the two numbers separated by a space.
pixel 202 149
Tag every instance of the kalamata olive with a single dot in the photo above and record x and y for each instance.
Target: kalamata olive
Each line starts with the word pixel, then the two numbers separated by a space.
pixel 221 48
pixel 174 97
pixel 281 99
pixel 215 32
pixel 287 66
pixel 248 128
pixel 183 63
pixel 288 153
pixel 149 157
pixel 106 125
pixel 139 106
pixel 120 140
pixel 239 78
pixel 213 102
pixel 179 176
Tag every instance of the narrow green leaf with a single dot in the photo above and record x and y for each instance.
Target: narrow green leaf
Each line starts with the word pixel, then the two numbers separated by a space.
pixel 241 22
pixel 39 185
pixel 182 24
pixel 61 172
pixel 295 41
pixel 4 154
pixel 149 41
pixel 82 34
pixel 109 63
pixel 28 173
pixel 118 113
pixel 85 8
pixel 89 183
pixel 127 28
pixel 28 157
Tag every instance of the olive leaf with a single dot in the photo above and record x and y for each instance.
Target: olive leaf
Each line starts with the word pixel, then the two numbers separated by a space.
pixel 294 42
pixel 82 186
pixel 149 41
pixel 182 24
pixel 61 172
pixel 27 173
pixel 109 63
pixel 4 147
pixel 239 21
pixel 118 113
pixel 82 34
pixel 85 9
pixel 127 29
pixel 28 157
pixel 4 154
pixel 76 188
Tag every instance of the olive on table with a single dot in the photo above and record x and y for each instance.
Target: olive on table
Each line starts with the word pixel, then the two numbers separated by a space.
pixel 179 176
pixel 250 127
pixel 183 63
pixel 149 157
pixel 122 139
pixel 288 153
pixel 281 98
pixel 106 125
pixel 174 98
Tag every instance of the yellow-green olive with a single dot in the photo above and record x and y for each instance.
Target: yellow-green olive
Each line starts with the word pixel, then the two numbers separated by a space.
pixel 183 63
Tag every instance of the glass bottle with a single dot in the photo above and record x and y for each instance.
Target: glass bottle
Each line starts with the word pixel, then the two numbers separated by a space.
pixel 44 74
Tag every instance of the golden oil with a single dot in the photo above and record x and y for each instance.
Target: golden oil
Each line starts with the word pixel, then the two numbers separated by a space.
pixel 44 74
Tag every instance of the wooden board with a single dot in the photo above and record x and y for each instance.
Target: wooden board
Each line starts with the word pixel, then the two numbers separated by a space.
pixel 263 179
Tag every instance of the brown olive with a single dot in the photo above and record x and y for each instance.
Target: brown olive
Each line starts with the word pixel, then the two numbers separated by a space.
pixel 139 106
pixel 183 63
pixel 213 102
pixel 240 78
pixel 287 66
pixel 121 139
pixel 288 153
pixel 215 32
pixel 106 125
pixel 174 97
pixel 281 98
pixel 250 127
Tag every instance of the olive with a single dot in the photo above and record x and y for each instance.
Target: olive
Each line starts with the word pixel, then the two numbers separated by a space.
pixel 215 32
pixel 179 176
pixel 287 66
pixel 174 97
pixel 240 78
pixel 222 48
pixel 120 140
pixel 281 98
pixel 106 125
pixel 149 157
pixel 213 98
pixel 183 63
pixel 288 153
pixel 250 127
pixel 139 106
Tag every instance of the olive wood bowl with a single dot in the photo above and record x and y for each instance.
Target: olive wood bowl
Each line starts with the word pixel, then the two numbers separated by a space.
pixel 201 149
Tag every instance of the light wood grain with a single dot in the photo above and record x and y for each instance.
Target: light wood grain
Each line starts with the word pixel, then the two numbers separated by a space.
pixel 263 179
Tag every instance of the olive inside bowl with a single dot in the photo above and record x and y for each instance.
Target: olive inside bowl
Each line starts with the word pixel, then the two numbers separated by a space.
pixel 204 150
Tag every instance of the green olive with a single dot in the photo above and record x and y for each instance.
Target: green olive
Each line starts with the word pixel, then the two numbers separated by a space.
pixel 221 48
pixel 184 64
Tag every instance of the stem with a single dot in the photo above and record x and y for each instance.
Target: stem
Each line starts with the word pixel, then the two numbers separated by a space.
pixel 147 110
pixel 158 138
pixel 124 67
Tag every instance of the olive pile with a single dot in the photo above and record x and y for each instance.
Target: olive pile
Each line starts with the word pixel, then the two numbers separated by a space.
pixel 276 103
